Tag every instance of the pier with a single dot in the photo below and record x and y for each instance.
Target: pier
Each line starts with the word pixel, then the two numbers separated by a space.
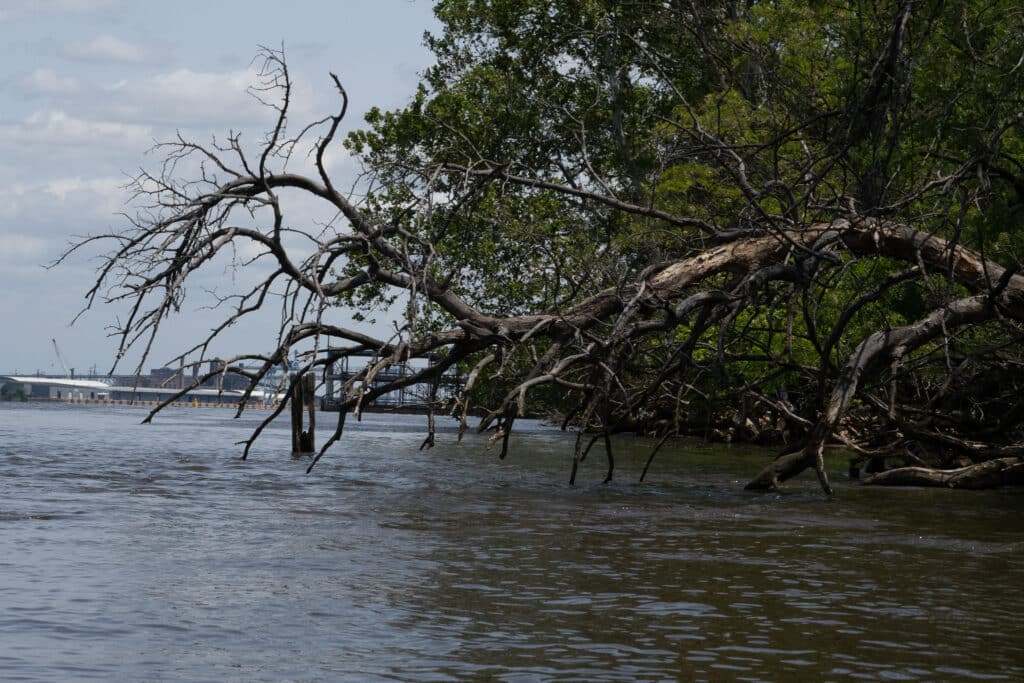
pixel 227 389
pixel 412 398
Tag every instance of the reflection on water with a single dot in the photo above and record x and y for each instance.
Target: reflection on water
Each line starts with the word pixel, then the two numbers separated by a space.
pixel 152 553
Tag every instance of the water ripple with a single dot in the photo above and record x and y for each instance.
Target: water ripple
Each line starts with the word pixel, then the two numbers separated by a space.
pixel 129 553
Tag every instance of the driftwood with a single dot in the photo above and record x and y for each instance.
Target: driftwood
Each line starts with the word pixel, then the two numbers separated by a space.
pixel 983 475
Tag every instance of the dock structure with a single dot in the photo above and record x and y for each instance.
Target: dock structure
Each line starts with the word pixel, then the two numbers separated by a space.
pixel 411 397
pixel 43 388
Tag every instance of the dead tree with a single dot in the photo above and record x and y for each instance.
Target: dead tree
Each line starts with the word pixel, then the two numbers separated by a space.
pixel 649 347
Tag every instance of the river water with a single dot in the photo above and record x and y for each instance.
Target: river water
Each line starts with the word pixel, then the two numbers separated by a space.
pixel 152 553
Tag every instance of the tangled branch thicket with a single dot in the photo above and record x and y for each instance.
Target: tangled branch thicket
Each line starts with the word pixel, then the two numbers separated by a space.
pixel 647 217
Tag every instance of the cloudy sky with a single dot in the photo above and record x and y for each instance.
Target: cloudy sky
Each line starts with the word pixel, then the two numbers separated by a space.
pixel 87 87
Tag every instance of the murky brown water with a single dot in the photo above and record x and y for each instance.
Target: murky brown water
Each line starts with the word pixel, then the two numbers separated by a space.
pixel 153 553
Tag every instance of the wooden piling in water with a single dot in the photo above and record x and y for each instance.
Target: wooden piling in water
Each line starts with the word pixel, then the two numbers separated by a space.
pixel 309 398
pixel 302 398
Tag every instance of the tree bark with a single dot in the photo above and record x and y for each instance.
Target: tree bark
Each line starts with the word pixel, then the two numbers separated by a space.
pixel 984 475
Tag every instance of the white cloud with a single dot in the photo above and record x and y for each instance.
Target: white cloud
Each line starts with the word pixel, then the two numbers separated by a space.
pixel 56 129
pixel 46 82
pixel 54 209
pixel 110 190
pixel 10 9
pixel 184 97
pixel 337 158
pixel 12 203
pixel 338 161
pixel 60 188
pixel 17 249
pixel 200 99
pixel 108 48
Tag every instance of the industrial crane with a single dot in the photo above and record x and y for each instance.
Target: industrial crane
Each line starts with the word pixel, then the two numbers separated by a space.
pixel 60 358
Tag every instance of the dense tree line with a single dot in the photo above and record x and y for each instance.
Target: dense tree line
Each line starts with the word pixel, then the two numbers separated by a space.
pixel 790 222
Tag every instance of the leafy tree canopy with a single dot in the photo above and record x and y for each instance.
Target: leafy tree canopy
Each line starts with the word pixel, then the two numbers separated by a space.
pixel 789 221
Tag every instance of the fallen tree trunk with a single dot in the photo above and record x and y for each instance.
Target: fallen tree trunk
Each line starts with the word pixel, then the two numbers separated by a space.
pixel 876 351
pixel 1001 294
pixel 629 332
pixel 984 475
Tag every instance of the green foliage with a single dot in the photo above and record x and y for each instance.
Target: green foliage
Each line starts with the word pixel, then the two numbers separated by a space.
pixel 10 392
pixel 751 116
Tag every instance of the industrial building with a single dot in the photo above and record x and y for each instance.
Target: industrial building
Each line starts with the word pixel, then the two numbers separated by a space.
pixel 42 388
